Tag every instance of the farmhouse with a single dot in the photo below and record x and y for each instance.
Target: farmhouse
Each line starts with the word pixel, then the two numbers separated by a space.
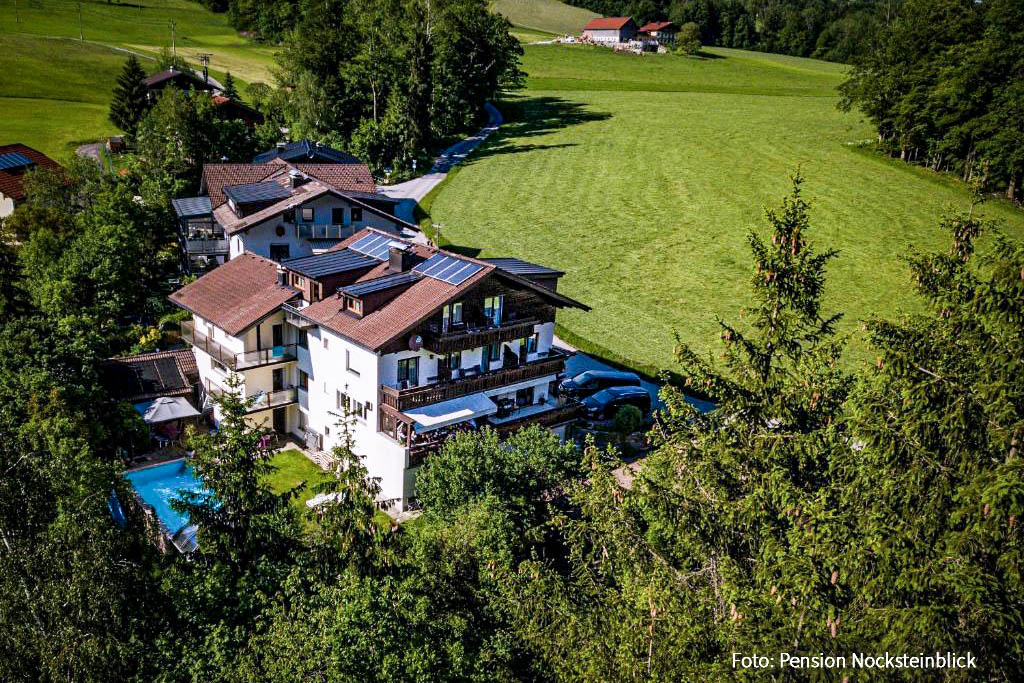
pixel 182 80
pixel 610 30
pixel 405 343
pixel 15 161
pixel 661 32
pixel 281 209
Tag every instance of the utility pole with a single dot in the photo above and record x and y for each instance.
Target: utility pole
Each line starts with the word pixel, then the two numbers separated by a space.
pixel 174 50
pixel 81 35
pixel 17 15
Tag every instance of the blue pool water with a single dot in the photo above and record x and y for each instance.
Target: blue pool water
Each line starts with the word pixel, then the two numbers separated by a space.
pixel 160 484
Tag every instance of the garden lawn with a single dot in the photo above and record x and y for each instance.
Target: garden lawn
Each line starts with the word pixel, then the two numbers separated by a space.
pixel 641 178
pixel 292 469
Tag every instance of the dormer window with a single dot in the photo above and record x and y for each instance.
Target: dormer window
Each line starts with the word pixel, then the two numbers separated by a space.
pixel 353 304
pixel 308 214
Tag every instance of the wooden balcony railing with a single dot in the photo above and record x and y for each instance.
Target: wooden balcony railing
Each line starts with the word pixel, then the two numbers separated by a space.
pixel 460 338
pixel 232 359
pixel 407 399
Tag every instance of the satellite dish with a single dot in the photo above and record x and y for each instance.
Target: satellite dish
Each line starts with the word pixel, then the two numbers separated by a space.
pixel 415 342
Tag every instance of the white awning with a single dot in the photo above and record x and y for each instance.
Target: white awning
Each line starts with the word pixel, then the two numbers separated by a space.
pixel 451 412
pixel 165 409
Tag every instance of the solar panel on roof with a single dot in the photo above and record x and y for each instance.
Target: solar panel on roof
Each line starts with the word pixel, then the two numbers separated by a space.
pixel 14 160
pixel 257 192
pixel 381 283
pixel 329 263
pixel 448 269
pixel 377 246
pixel 191 207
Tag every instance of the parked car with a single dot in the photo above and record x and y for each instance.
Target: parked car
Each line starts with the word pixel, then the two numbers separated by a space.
pixel 590 382
pixel 604 404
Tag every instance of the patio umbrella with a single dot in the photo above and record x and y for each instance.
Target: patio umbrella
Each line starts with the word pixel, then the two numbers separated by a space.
pixel 165 409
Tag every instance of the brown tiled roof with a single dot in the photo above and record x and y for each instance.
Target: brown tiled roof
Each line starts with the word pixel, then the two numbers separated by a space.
pixel 656 26
pixel 149 375
pixel 403 313
pixel 218 176
pixel 607 23
pixel 234 296
pixel 12 180
pixel 354 177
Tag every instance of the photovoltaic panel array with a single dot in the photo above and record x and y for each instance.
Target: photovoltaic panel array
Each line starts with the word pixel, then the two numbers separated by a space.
pixel 377 246
pixel 381 283
pixel 253 193
pixel 14 160
pixel 448 269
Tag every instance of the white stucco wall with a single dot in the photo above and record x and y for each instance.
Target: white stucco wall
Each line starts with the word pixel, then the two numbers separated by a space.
pixel 6 205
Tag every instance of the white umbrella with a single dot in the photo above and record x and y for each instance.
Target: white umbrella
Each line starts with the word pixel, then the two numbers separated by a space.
pixel 165 409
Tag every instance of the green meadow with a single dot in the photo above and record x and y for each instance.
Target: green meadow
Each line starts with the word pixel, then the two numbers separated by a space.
pixel 55 87
pixel 641 177
pixel 547 16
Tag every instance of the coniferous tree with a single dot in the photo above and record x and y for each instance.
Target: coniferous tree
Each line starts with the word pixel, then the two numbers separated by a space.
pixel 230 91
pixel 131 97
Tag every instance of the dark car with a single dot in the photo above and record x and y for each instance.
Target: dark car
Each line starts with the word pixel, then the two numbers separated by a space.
pixel 604 404
pixel 592 381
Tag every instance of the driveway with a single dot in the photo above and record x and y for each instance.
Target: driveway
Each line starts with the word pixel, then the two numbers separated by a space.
pixel 412 191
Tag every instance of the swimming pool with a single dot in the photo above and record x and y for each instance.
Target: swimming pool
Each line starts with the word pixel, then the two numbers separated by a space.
pixel 160 484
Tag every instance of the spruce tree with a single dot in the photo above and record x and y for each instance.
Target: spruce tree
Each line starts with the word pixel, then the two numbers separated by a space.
pixel 230 91
pixel 130 101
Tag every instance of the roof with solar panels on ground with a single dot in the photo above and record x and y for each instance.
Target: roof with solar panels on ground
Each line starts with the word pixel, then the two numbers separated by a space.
pixel 372 288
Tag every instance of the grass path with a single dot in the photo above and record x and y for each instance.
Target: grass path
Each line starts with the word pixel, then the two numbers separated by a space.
pixel 645 195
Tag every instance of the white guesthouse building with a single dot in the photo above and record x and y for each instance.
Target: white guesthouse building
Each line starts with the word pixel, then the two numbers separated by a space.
pixel 418 343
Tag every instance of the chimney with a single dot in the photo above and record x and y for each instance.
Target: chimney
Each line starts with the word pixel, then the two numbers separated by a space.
pixel 295 178
pixel 282 275
pixel 399 259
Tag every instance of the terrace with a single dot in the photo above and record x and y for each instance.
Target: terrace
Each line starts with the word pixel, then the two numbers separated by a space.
pixel 402 400
pixel 233 359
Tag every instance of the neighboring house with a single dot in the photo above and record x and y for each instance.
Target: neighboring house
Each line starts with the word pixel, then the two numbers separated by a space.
pixel 660 32
pixel 610 30
pixel 413 342
pixel 281 210
pixel 305 151
pixel 146 376
pixel 182 80
pixel 233 110
pixel 15 161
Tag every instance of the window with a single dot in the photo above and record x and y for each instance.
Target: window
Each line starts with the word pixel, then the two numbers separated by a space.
pixel 303 339
pixel 279 252
pixel 325 342
pixel 451 315
pixel 289 216
pixel 492 309
pixel 357 214
pixel 455 361
pixel 218 366
pixel 308 214
pixel 298 281
pixel 303 380
pixel 531 343
pixel 338 216
pixel 355 305
pixel 348 362
pixel 409 370
pixel 354 407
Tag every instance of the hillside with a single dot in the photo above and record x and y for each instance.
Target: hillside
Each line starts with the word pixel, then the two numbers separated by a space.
pixel 549 16
pixel 55 88
pixel 641 177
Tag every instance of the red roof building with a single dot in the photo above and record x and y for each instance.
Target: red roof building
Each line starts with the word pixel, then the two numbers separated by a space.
pixel 610 30
pixel 15 161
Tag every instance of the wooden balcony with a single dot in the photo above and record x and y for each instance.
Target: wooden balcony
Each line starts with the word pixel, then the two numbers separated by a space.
pixel 233 360
pixel 460 338
pixel 407 399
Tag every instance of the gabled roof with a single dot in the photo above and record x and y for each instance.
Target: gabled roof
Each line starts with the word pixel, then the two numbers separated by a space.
pixel 236 295
pixel 657 26
pixel 12 177
pixel 306 151
pixel 608 23
pixel 416 303
pixel 348 177
pixel 148 375
pixel 520 267
pixel 174 74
